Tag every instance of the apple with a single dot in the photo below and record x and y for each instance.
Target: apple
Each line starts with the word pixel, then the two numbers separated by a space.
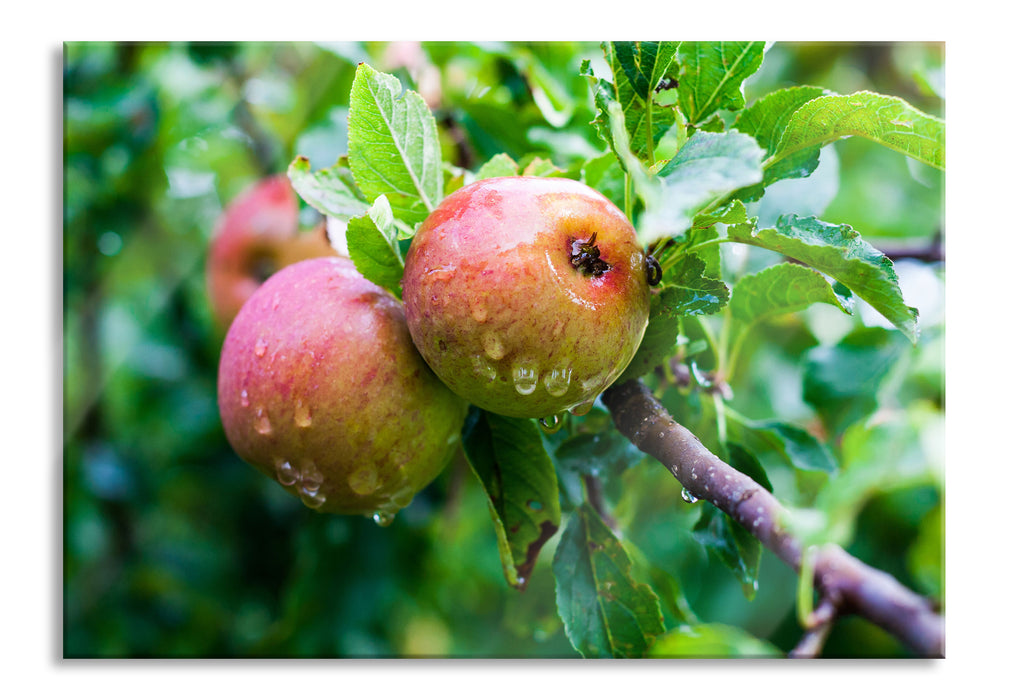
pixel 321 389
pixel 256 235
pixel 527 296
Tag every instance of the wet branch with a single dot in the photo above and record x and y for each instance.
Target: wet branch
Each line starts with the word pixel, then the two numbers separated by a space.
pixel 846 585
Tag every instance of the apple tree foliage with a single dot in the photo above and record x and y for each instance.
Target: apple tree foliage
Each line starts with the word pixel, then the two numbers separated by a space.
pixel 797 331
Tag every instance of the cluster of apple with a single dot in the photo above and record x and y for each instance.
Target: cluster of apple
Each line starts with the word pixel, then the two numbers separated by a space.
pixel 523 296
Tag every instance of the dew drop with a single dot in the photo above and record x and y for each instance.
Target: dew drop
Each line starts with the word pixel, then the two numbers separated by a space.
pixel 260 348
pixel 493 346
pixel 557 381
pixel 593 384
pixel 383 519
pixel 478 310
pixel 521 581
pixel 311 477
pixel 534 505
pixel 262 422
pixel 550 424
pixel 245 398
pixel 287 474
pixel 582 408
pixel 483 368
pixel 364 481
pixel 302 414
pixel 312 499
pixel 525 379
pixel 688 497
pixel 311 483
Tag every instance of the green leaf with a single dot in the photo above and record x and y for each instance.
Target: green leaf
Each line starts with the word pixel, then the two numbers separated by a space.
pixel 705 229
pixel 373 244
pixel 606 454
pixel 840 252
pixel 637 68
pixel 743 461
pixel 541 167
pixel 783 289
pixel 766 120
pixel 711 641
pixel 330 191
pixel 645 63
pixel 687 292
pixel 842 382
pixel 732 544
pixel 393 145
pixel 606 613
pixel 658 342
pixel 500 165
pixel 605 175
pixel 712 74
pixel 789 444
pixel 707 167
pixel 509 459
pixel 887 120
pixel 925 558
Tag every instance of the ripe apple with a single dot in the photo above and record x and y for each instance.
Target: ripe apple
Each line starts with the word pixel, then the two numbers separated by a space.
pixel 257 235
pixel 528 296
pixel 321 388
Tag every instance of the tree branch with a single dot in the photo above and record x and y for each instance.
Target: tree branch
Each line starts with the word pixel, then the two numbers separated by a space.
pixel 850 585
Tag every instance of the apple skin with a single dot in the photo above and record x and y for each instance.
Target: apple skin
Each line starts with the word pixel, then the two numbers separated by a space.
pixel 321 389
pixel 501 313
pixel 256 235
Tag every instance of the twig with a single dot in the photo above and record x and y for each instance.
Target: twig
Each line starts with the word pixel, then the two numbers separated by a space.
pixel 850 585
pixel 594 495
pixel 818 627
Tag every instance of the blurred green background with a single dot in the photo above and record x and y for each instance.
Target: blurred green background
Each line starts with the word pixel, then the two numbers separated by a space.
pixel 172 547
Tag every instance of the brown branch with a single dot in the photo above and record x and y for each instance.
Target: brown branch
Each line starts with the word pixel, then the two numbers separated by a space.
pixel 850 585
pixel 818 627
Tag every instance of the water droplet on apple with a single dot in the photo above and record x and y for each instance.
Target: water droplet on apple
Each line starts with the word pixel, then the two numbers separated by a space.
pixel 688 497
pixel 311 477
pixel 262 422
pixel 302 414
pixel 478 310
pixel 364 481
pixel 557 381
pixel 312 499
pixel 582 408
pixel 593 383
pixel 311 483
pixel 382 518
pixel 245 398
pixel 550 424
pixel 493 346
pixel 483 368
pixel 260 348
pixel 287 474
pixel 525 378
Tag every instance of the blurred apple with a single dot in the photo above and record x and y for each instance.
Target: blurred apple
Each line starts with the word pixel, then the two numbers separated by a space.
pixel 257 235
